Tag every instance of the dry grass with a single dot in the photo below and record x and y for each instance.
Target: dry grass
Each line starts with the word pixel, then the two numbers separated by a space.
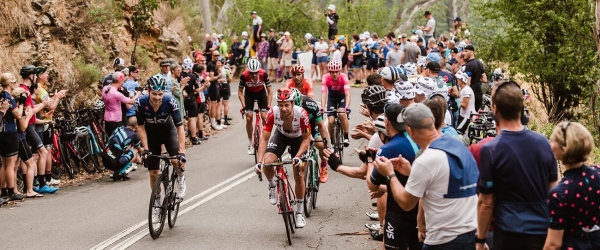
pixel 17 16
pixel 62 73
pixel 12 62
pixel 61 11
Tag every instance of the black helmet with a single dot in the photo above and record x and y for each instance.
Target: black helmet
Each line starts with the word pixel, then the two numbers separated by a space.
pixel 374 97
pixel 28 70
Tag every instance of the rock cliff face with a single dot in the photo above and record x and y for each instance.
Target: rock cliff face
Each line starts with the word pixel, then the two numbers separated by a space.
pixel 53 33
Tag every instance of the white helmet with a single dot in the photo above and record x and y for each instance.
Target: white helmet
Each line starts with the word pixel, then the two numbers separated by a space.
pixel 99 104
pixel 422 61
pixel 379 124
pixel 245 33
pixel 187 60
pixel 425 86
pixel 253 65
pixel 467 33
pixel 81 131
pixel 307 36
pixel 411 69
pixel 331 7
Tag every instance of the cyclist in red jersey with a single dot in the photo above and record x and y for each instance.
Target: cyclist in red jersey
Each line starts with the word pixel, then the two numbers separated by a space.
pixel 255 81
pixel 335 92
pixel 299 82
pixel 292 129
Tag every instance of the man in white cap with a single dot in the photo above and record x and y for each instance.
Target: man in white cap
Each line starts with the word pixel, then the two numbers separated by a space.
pixel 310 41
pixel 246 46
pixel 332 21
pixel 256 27
pixel 287 47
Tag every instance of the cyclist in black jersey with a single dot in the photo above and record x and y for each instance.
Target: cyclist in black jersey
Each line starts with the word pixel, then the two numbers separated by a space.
pixel 160 123
pixel 318 129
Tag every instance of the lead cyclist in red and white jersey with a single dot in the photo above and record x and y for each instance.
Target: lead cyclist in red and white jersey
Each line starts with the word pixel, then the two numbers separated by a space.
pixel 253 83
pixel 335 92
pixel 292 129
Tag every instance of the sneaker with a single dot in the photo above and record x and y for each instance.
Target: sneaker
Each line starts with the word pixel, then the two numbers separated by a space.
pixel 324 177
pixel 4 200
pixel 300 221
pixel 229 118
pixel 346 143
pixel 223 125
pixel 127 171
pixel 181 187
pixel 134 166
pixel 115 176
pixel 46 190
pixel 226 123
pixel 196 141
pixel 250 150
pixel 373 215
pixel 373 227
pixel 217 127
pixel 125 177
pixel 273 196
pixel 377 235
pixel 53 182
pixel 17 197
pixel 156 212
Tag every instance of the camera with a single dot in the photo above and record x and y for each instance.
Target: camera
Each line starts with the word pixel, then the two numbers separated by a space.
pixel 139 89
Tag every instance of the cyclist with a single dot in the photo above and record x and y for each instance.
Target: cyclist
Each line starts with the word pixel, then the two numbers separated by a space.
pixel 118 152
pixel 299 82
pixel 253 82
pixel 293 129
pixel 318 131
pixel 336 94
pixel 158 115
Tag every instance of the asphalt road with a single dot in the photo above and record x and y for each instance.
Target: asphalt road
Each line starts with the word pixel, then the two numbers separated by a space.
pixel 226 207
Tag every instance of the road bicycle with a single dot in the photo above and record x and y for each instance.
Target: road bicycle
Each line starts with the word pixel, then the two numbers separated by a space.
pixel 311 178
pixel 337 135
pixel 58 152
pixel 256 132
pixel 163 191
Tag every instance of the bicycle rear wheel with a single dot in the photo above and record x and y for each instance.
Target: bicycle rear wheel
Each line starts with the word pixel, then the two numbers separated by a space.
pixel 159 190
pixel 310 191
pixel 66 160
pixel 256 139
pixel 317 173
pixel 173 204
pixel 84 151
pixel 284 205
pixel 56 168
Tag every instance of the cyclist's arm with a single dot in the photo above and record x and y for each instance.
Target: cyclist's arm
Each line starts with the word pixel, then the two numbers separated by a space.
pixel 323 130
pixel 141 131
pixel 242 85
pixel 310 91
pixel 266 134
pixel 346 89
pixel 306 136
pixel 269 90
pixel 324 94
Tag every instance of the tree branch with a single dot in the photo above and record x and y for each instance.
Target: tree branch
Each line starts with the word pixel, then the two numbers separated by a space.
pixel 413 9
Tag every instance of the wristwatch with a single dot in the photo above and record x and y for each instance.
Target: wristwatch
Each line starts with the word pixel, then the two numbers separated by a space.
pixel 389 177
pixel 480 241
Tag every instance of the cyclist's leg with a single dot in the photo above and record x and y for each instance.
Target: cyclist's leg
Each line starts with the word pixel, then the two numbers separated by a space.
pixel 275 149
pixel 40 151
pixel 263 104
pixel 192 110
pixel 343 117
pixel 331 105
pixel 172 146
pixel 249 100
pixel 294 144
pixel 154 146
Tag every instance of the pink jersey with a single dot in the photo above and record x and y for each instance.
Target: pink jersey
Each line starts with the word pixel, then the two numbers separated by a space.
pixel 112 103
pixel 335 88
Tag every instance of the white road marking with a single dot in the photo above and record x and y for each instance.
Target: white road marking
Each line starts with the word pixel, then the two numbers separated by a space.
pixel 137 226
pixel 133 239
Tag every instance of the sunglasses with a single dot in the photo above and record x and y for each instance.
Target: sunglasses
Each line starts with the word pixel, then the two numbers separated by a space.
pixel 564 130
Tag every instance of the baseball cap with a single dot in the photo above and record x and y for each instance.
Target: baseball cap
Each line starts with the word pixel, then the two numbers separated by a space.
pixel 452 61
pixel 461 76
pixel 404 35
pixel 434 57
pixel 307 36
pixel 419 32
pixel 280 33
pixel 263 35
pixel 220 36
pixel 427 13
pixel 454 50
pixel 271 30
pixel 367 34
pixel 441 44
pixel 433 66
pixel 244 33
pixel 361 36
pixel 405 90
pixel 286 33
pixel 165 63
pixel 470 47
pixel 119 62
pixel 393 113
pixel 418 116
pixel 340 38
pixel 253 12
pixel 331 7
pixel 457 19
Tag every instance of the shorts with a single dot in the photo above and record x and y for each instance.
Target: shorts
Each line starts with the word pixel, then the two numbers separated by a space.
pixel 287 62
pixel 507 240
pixel 235 61
pixel 225 91
pixel 260 97
pixel 273 63
pixel 357 63
pixel 47 138
pixel 279 142
pixel 119 162
pixel 169 139
pixel 332 33
pixel 201 108
pixel 213 92
pixel 313 61
pixel 334 104
pixel 372 63
pixel 400 236
pixel 191 108
pixel 33 138
pixel 322 59
pixel 344 61
pixel 24 150
pixel 8 147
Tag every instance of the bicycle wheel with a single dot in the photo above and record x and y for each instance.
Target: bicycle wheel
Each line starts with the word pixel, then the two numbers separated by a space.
pixel 317 184
pixel 159 190
pixel 173 204
pixel 284 205
pixel 338 134
pixel 84 152
pixel 94 154
pixel 20 182
pixel 56 168
pixel 66 160
pixel 255 140
pixel 310 191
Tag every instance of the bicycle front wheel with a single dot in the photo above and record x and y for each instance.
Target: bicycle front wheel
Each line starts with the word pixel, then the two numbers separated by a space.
pixel 339 145
pixel 173 204
pixel 84 152
pixel 157 207
pixel 309 179
pixel 285 205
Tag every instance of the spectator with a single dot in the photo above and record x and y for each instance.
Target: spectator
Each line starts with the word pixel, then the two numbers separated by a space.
pixel 223 48
pixel 273 63
pixel 467 103
pixel 393 57
pixel 578 191
pixel 112 102
pixel 515 178
pixel 256 28
pixel 332 20
pixel 443 177
pixel 213 91
pixel 429 29
pixel 412 51
pixel 237 53
pixel 209 48
pixel 357 58
pixel 286 46
pixel 343 47
pixel 118 152
pixel 246 47
pixel 474 69
pixel 263 52
pixel 321 49
pixel 420 43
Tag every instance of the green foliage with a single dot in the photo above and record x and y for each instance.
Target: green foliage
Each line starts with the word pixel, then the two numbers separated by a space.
pixel 547 43
pixel 86 74
pixel 100 55
pixel 143 59
pixel 103 11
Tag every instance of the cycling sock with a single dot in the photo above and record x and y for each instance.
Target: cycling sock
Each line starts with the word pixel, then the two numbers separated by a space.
pixel 10 191
pixel 299 206
pixel 226 118
pixel 219 122
pixel 272 183
pixel 4 192
pixel 213 122
pixel 41 180
pixel 48 176
pixel 357 82
pixel 346 136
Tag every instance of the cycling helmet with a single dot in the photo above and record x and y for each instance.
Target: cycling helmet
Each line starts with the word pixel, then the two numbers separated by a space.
pixel 253 65
pixel 422 62
pixel 498 74
pixel 461 76
pixel 297 69
pixel 390 73
pixel 404 89
pixel 374 96
pixel 28 70
pixel 119 62
pixel 187 66
pixel 379 124
pixel 285 95
pixel 157 83
pixel 99 104
pixel 401 69
pixel 81 131
pixel 297 96
pixel 411 69
pixel 425 86
pixel 334 65
pixel 441 88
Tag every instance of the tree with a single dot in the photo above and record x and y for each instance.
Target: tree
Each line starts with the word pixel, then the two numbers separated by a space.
pixel 206 17
pixel 547 43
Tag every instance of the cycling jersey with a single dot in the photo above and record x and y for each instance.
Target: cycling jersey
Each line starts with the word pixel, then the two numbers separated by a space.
pixel 335 88
pixel 9 122
pixel 251 86
pixel 306 86
pixel 315 114
pixel 300 122
pixel 165 117
pixel 118 151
